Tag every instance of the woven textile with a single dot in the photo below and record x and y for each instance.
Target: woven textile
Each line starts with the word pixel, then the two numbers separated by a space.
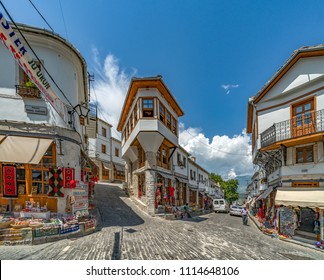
pixel 9 181
pixel 68 176
pixel 55 182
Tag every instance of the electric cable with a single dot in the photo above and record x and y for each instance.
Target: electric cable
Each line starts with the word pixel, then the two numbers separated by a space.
pixel 63 20
pixel 41 15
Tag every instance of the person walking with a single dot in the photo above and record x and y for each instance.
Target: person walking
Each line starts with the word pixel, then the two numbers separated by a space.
pixel 244 212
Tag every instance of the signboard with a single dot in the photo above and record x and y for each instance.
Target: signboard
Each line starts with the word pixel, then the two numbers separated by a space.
pixel 14 45
pixel 38 110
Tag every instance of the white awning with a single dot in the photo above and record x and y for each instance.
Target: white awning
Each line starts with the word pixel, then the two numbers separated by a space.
pixel 300 198
pixel 166 176
pixel 19 149
pixel 266 193
pixel 107 165
pixel 2 137
pixel 119 167
pixel 192 187
pixel 181 180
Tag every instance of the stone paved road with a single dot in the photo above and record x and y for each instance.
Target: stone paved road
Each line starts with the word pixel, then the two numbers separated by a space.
pixel 128 233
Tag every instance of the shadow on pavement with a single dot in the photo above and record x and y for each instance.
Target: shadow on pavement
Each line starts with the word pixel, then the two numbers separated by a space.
pixel 112 209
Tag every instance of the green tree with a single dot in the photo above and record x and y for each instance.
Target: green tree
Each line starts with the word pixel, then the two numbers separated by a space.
pixel 231 193
pixel 229 187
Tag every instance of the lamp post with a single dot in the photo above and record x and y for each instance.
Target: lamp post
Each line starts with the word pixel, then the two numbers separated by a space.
pixel 81 110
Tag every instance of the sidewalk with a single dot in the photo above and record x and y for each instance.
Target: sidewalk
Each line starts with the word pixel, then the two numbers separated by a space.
pixel 296 239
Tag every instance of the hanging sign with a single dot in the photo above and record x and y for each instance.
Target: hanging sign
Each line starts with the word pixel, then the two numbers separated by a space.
pixel 13 43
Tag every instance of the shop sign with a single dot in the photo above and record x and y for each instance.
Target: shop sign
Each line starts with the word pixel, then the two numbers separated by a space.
pixel 15 46
pixel 38 110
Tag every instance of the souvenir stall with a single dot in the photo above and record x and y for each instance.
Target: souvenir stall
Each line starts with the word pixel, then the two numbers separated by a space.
pixel 32 221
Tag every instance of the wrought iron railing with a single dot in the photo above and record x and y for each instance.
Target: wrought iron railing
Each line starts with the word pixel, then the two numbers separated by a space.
pixel 295 127
pixel 26 91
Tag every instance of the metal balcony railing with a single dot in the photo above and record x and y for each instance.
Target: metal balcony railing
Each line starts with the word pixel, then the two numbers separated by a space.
pixel 26 91
pixel 309 123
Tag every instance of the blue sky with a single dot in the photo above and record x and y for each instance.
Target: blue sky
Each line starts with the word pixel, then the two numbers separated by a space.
pixel 213 55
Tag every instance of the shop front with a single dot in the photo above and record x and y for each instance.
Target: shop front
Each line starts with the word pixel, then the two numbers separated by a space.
pixel 305 207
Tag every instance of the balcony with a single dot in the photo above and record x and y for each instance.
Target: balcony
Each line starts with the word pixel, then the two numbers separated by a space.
pixel 308 124
pixel 28 91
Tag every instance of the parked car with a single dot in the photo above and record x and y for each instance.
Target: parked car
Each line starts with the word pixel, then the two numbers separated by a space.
pixel 220 205
pixel 236 210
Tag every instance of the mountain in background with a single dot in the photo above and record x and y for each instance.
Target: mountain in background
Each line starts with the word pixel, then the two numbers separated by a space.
pixel 243 183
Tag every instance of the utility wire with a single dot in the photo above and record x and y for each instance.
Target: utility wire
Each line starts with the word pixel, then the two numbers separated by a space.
pixel 63 20
pixel 96 101
pixel 22 35
pixel 41 15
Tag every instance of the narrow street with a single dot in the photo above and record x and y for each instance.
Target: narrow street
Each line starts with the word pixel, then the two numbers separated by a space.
pixel 125 232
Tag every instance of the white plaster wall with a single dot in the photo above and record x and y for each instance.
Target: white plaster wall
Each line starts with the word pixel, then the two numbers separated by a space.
pixel 117 144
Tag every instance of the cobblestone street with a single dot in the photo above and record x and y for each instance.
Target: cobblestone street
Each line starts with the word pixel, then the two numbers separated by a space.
pixel 126 232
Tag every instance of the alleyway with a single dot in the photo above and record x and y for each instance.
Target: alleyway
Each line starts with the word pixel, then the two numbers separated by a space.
pixel 125 232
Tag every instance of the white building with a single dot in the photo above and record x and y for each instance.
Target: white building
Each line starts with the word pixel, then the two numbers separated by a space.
pixel 159 172
pixel 286 119
pixel 105 151
pixel 37 133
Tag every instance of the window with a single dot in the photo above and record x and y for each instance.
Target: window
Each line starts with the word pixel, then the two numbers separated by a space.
pixel 304 154
pixel 131 122
pixel 141 156
pixel 303 118
pixel 148 108
pixel 179 159
pixel 191 176
pixel 168 119
pixel 184 162
pixel 40 173
pixel 116 152
pixel 103 148
pixel 162 113
pixel 174 126
pixel 135 114
pixel 104 132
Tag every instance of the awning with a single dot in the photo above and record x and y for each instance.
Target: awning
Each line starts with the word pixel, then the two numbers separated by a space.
pixel 181 180
pixel 193 187
pixel 2 137
pixel 166 176
pixel 107 165
pixel 300 198
pixel 19 149
pixel 266 193
pixel 119 167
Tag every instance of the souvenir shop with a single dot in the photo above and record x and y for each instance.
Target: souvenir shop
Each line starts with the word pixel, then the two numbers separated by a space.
pixel 164 191
pixel 39 199
pixel 301 212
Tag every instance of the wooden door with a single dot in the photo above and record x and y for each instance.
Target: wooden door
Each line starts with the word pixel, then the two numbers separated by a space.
pixel 303 121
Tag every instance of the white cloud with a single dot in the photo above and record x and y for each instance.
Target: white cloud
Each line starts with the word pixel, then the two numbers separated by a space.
pixel 109 89
pixel 229 87
pixel 229 157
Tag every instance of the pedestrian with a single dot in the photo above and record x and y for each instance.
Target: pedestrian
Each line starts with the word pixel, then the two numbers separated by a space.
pixel 244 213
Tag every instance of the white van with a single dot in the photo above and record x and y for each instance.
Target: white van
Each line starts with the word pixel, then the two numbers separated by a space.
pixel 219 205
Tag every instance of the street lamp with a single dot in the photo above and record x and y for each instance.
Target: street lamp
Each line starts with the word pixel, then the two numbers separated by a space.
pixel 81 110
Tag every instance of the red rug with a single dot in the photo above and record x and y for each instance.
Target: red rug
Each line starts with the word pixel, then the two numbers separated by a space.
pixel 68 176
pixel 9 181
